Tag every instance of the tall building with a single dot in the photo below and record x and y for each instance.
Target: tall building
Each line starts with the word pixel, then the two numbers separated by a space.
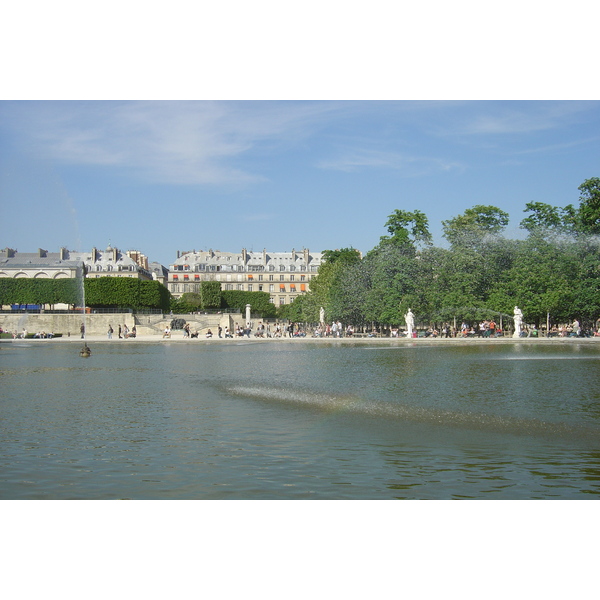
pixel 283 275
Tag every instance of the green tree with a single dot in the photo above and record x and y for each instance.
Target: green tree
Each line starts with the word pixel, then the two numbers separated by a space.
pixel 543 217
pixel 408 229
pixel 588 214
pixel 475 225
pixel 325 286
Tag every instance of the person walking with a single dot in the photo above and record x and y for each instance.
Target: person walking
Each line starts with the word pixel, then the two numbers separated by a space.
pixel 110 331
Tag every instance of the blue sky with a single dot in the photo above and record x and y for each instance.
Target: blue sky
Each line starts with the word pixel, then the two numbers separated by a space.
pixel 162 176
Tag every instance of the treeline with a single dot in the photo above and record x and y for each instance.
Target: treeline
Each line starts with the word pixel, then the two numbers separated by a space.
pixel 129 293
pixel 482 274
pixel 211 297
pixel 103 292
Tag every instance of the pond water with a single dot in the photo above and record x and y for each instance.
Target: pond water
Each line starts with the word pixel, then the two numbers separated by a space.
pixel 299 420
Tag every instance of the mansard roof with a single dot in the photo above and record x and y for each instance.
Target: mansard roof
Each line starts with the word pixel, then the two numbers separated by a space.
pixel 13 259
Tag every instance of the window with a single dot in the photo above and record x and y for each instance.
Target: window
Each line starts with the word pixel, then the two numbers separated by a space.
pixel 281 299
pixel 249 287
pixel 282 278
pixel 292 278
pixel 271 287
pixel 282 267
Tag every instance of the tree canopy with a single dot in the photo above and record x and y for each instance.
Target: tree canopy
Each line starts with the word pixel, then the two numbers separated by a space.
pixel 554 271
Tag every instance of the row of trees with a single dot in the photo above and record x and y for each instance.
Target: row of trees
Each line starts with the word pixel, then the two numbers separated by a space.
pixel 103 292
pixel 482 274
pixel 129 293
pixel 212 297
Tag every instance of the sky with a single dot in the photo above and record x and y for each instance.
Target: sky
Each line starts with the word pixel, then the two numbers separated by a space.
pixel 262 126
pixel 163 176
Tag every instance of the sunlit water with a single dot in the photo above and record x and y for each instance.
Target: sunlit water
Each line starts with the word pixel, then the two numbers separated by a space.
pixel 299 420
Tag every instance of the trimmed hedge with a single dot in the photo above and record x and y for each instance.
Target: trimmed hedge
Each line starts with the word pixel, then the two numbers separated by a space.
pixel 259 301
pixel 103 292
pixel 39 291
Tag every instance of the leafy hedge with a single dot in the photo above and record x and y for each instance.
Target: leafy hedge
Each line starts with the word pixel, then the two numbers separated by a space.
pixel 103 292
pixel 39 291
pixel 125 292
pixel 210 294
pixel 259 301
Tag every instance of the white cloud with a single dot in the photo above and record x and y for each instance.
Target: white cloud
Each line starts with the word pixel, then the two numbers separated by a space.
pixel 357 159
pixel 500 118
pixel 166 142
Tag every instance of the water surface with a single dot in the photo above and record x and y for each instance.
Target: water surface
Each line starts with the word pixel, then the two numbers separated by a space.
pixel 299 420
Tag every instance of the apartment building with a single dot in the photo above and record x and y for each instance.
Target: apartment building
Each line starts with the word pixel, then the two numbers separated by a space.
pixel 283 275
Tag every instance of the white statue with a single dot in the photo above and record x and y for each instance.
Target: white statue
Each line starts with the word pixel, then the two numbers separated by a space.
pixel 322 315
pixel 410 323
pixel 518 318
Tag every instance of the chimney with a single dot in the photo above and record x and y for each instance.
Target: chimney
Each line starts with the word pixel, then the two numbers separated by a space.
pixel 64 254
pixel 244 256
pixel 94 254
pixel 42 253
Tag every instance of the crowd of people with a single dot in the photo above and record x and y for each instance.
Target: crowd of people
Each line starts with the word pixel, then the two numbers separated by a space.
pixel 122 331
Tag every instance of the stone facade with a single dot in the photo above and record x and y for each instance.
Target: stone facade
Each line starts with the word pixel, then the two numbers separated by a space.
pixel 283 275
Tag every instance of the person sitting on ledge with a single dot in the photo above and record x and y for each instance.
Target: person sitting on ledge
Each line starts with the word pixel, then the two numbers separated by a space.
pixel 209 334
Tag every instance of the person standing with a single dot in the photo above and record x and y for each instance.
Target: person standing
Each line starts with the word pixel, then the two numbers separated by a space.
pixel 82 329
pixel 219 331
pixel 110 331
pixel 120 336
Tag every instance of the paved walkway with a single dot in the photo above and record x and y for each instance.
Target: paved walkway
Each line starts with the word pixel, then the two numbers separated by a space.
pixel 178 338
